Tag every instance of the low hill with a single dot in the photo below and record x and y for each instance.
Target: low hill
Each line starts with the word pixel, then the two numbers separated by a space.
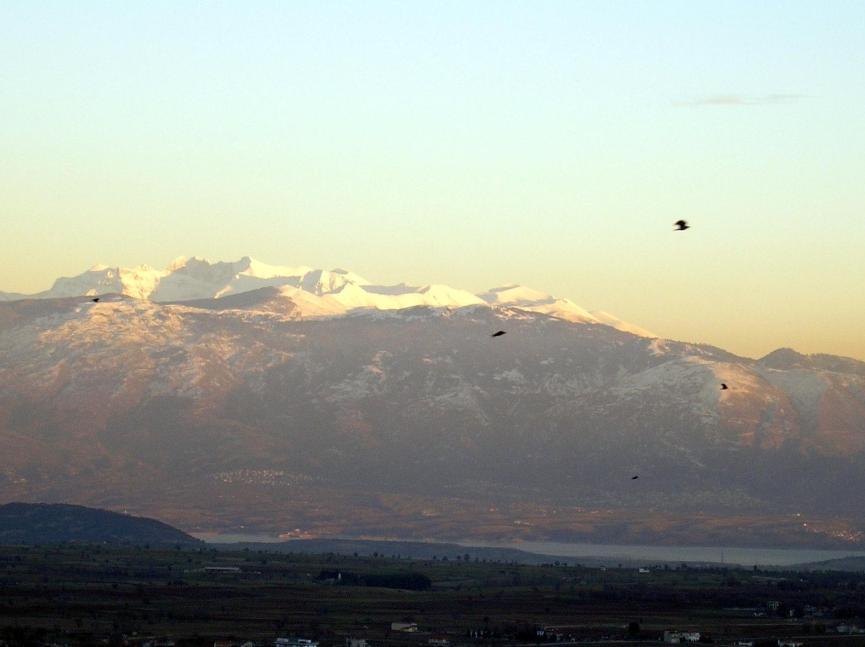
pixel 42 523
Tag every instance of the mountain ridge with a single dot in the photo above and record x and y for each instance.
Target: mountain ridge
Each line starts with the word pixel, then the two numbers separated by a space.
pixel 415 423
pixel 314 292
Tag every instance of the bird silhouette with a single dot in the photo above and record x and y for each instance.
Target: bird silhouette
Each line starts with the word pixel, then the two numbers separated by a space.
pixel 498 333
pixel 681 225
pixel 634 478
pixel 724 387
pixel 95 300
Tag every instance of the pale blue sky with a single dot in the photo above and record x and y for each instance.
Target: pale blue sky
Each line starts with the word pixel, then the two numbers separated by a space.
pixel 469 143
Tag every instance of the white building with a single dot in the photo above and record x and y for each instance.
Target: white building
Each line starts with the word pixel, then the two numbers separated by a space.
pixel 676 637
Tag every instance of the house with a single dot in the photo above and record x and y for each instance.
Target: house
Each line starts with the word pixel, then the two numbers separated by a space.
pixel 405 627
pixel 356 642
pixel 439 641
pixel 643 571
pixel 295 642
pixel 789 643
pixel 691 636
pixel 681 637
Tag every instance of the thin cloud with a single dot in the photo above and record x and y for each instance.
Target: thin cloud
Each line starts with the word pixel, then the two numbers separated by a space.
pixel 738 100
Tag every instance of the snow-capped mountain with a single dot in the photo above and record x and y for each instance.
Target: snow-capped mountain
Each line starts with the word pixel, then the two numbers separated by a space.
pixel 534 301
pixel 192 278
pixel 312 293
pixel 413 421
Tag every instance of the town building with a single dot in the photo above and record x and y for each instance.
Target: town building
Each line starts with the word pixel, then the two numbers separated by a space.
pixel 676 637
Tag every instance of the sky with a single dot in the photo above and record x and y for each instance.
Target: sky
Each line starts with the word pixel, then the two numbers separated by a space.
pixel 551 144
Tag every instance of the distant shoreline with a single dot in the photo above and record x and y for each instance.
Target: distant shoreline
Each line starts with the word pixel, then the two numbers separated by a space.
pixel 642 554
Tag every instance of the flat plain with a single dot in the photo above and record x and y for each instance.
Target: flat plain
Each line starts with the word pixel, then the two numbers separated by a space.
pixel 98 594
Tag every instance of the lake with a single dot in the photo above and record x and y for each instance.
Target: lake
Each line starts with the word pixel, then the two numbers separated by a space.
pixel 727 554
pixel 640 553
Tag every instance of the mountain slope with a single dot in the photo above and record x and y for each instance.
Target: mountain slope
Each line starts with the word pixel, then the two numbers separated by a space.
pixel 416 423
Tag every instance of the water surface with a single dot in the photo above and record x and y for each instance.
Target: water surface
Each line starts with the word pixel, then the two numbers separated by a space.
pixel 627 553
pixel 725 554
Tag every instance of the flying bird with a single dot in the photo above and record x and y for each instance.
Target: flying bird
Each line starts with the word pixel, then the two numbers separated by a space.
pixel 724 387
pixel 498 333
pixel 681 225
pixel 634 478
pixel 95 300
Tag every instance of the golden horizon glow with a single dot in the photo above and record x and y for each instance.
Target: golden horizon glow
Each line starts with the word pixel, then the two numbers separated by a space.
pixel 551 144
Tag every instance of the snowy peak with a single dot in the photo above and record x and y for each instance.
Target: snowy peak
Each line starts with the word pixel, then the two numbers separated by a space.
pixel 313 292
pixel 528 299
pixel 251 267
pixel 519 296
pixel 96 280
pixel 515 294
pixel 611 320
pixel 140 282
pixel 197 278
pixel 324 282
pixel 137 282
pixel 443 295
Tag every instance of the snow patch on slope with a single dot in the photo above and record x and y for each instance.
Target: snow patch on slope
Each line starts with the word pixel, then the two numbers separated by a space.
pixel 805 387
